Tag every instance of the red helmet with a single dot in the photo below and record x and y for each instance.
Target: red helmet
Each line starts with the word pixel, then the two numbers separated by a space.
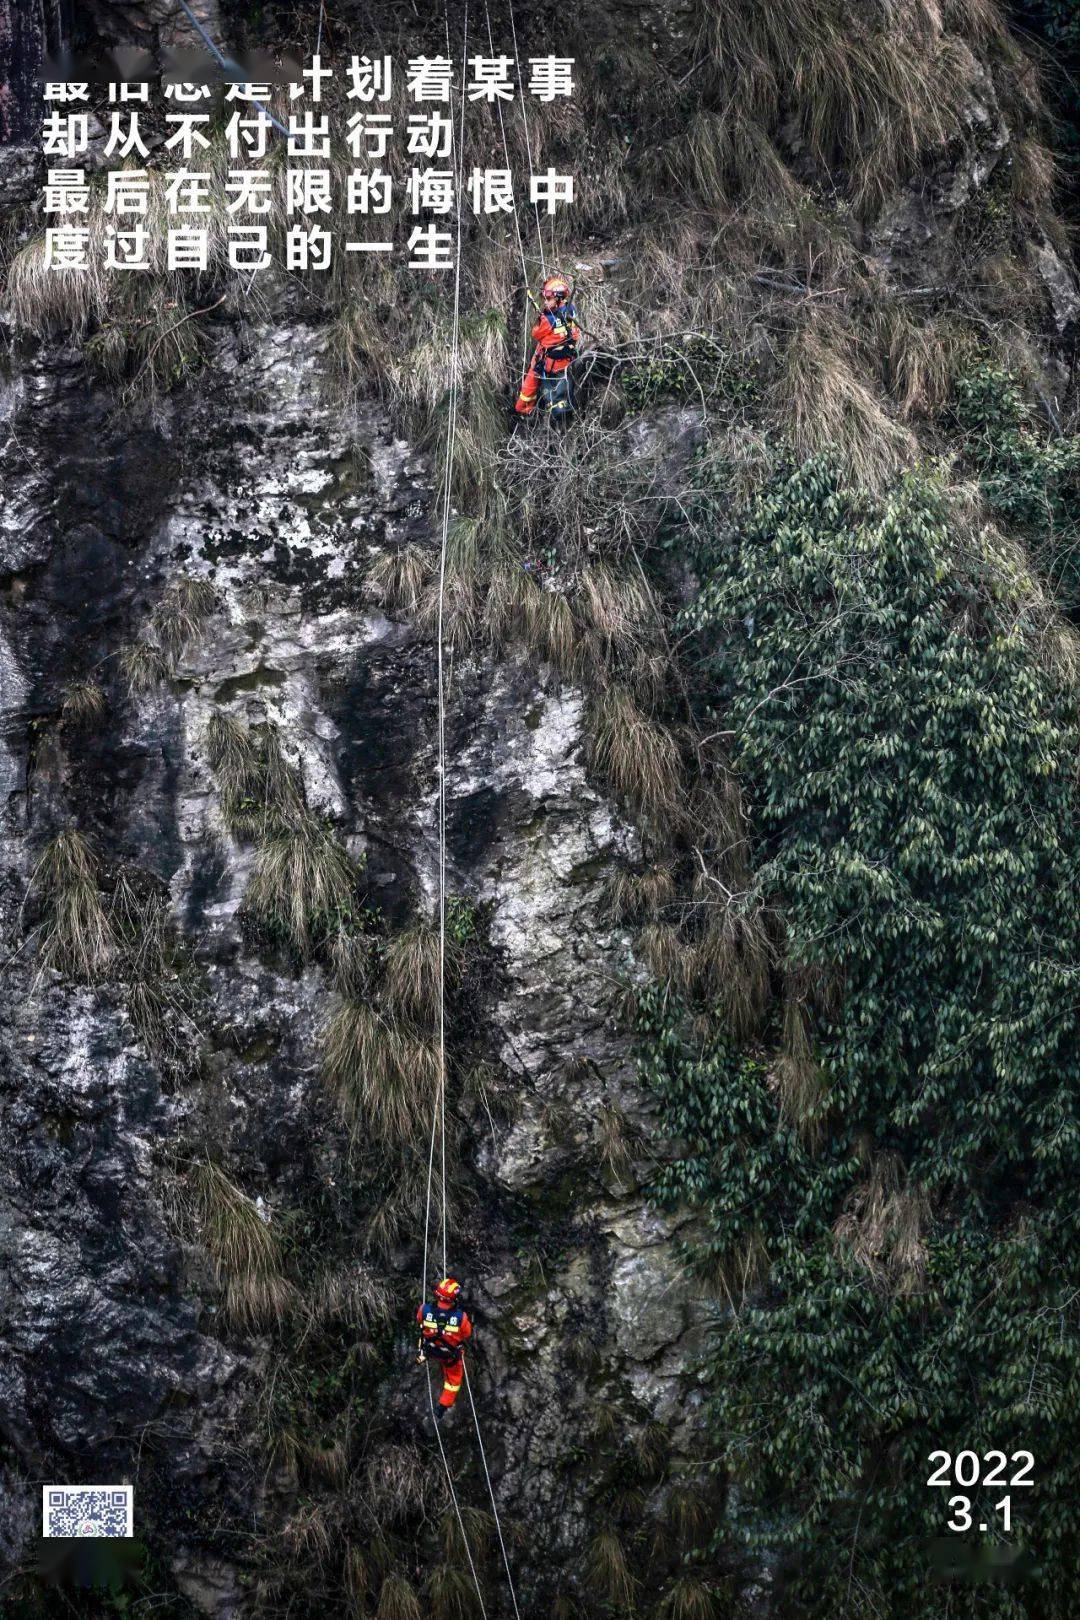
pixel 558 286
pixel 447 1290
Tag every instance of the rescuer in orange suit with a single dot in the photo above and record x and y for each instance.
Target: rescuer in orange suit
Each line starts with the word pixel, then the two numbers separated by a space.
pixel 444 1327
pixel 556 335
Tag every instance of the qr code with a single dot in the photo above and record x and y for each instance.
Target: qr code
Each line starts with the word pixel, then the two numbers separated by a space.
pixel 86 1510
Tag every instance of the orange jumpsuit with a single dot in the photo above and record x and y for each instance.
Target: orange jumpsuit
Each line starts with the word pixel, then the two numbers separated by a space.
pixel 443 1333
pixel 553 331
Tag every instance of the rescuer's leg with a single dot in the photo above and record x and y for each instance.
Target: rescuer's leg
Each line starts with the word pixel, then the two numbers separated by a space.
pixel 452 1377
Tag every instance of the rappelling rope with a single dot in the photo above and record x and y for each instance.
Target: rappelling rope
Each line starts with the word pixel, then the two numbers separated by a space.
pixel 438 1122
pixel 509 167
pixel 528 139
pixel 457 1508
pixel 438 1118
pixel 438 1114
pixel 230 67
pixel 491 1493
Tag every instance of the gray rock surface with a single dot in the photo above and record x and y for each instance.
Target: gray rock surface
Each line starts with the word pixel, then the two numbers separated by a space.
pixel 254 481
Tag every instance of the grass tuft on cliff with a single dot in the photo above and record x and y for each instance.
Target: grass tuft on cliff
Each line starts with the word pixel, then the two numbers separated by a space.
pixel 607 1571
pixel 76 938
pixel 384 1077
pixel 83 703
pixel 301 880
pixel 244 1248
pixel 181 612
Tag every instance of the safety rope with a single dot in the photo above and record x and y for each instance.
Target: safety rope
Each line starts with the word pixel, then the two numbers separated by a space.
pixel 438 1118
pixel 509 167
pixel 438 1113
pixel 230 67
pixel 491 1493
pixel 528 140
pixel 454 1499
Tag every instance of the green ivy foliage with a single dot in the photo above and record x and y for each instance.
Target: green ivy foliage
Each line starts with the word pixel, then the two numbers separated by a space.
pixel 695 367
pixel 909 752
pixel 1031 480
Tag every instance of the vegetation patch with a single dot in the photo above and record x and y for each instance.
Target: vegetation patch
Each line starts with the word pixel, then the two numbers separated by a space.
pixel 885 1205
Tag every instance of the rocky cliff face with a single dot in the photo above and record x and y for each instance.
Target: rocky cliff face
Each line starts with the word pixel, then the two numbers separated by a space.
pixel 113 1363
pixel 120 1360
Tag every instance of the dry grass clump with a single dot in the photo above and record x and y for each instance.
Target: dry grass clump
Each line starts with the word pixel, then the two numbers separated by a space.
pixel 474 1534
pixel 729 160
pixel 920 360
pixel 385 1078
pixel 621 609
pixel 632 896
pixel 284 788
pixel 797 1077
pixel 398 1483
pixel 412 974
pixel 686 1513
pixel 614 1140
pixel 508 601
pixel 43 300
pixel 732 966
pixel 240 772
pixel 140 917
pixel 351 958
pixel 1033 176
pixel 735 1271
pixel 398 1599
pixel 607 1571
pixel 310 1533
pixel 83 702
pixel 669 956
pixel 397 578
pixel 357 1575
pixel 399 1213
pixel 301 878
pixel 479 437
pixel 462 582
pixel 143 327
pixel 144 667
pixel 688 1598
pixel 651 1445
pixel 862 96
pixel 183 609
pixel 244 1248
pixel 325 1465
pixel 638 757
pixel 77 938
pixel 823 406
pixel 546 623
pixel 451 1594
pixel 352 1295
pixel 882 1230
